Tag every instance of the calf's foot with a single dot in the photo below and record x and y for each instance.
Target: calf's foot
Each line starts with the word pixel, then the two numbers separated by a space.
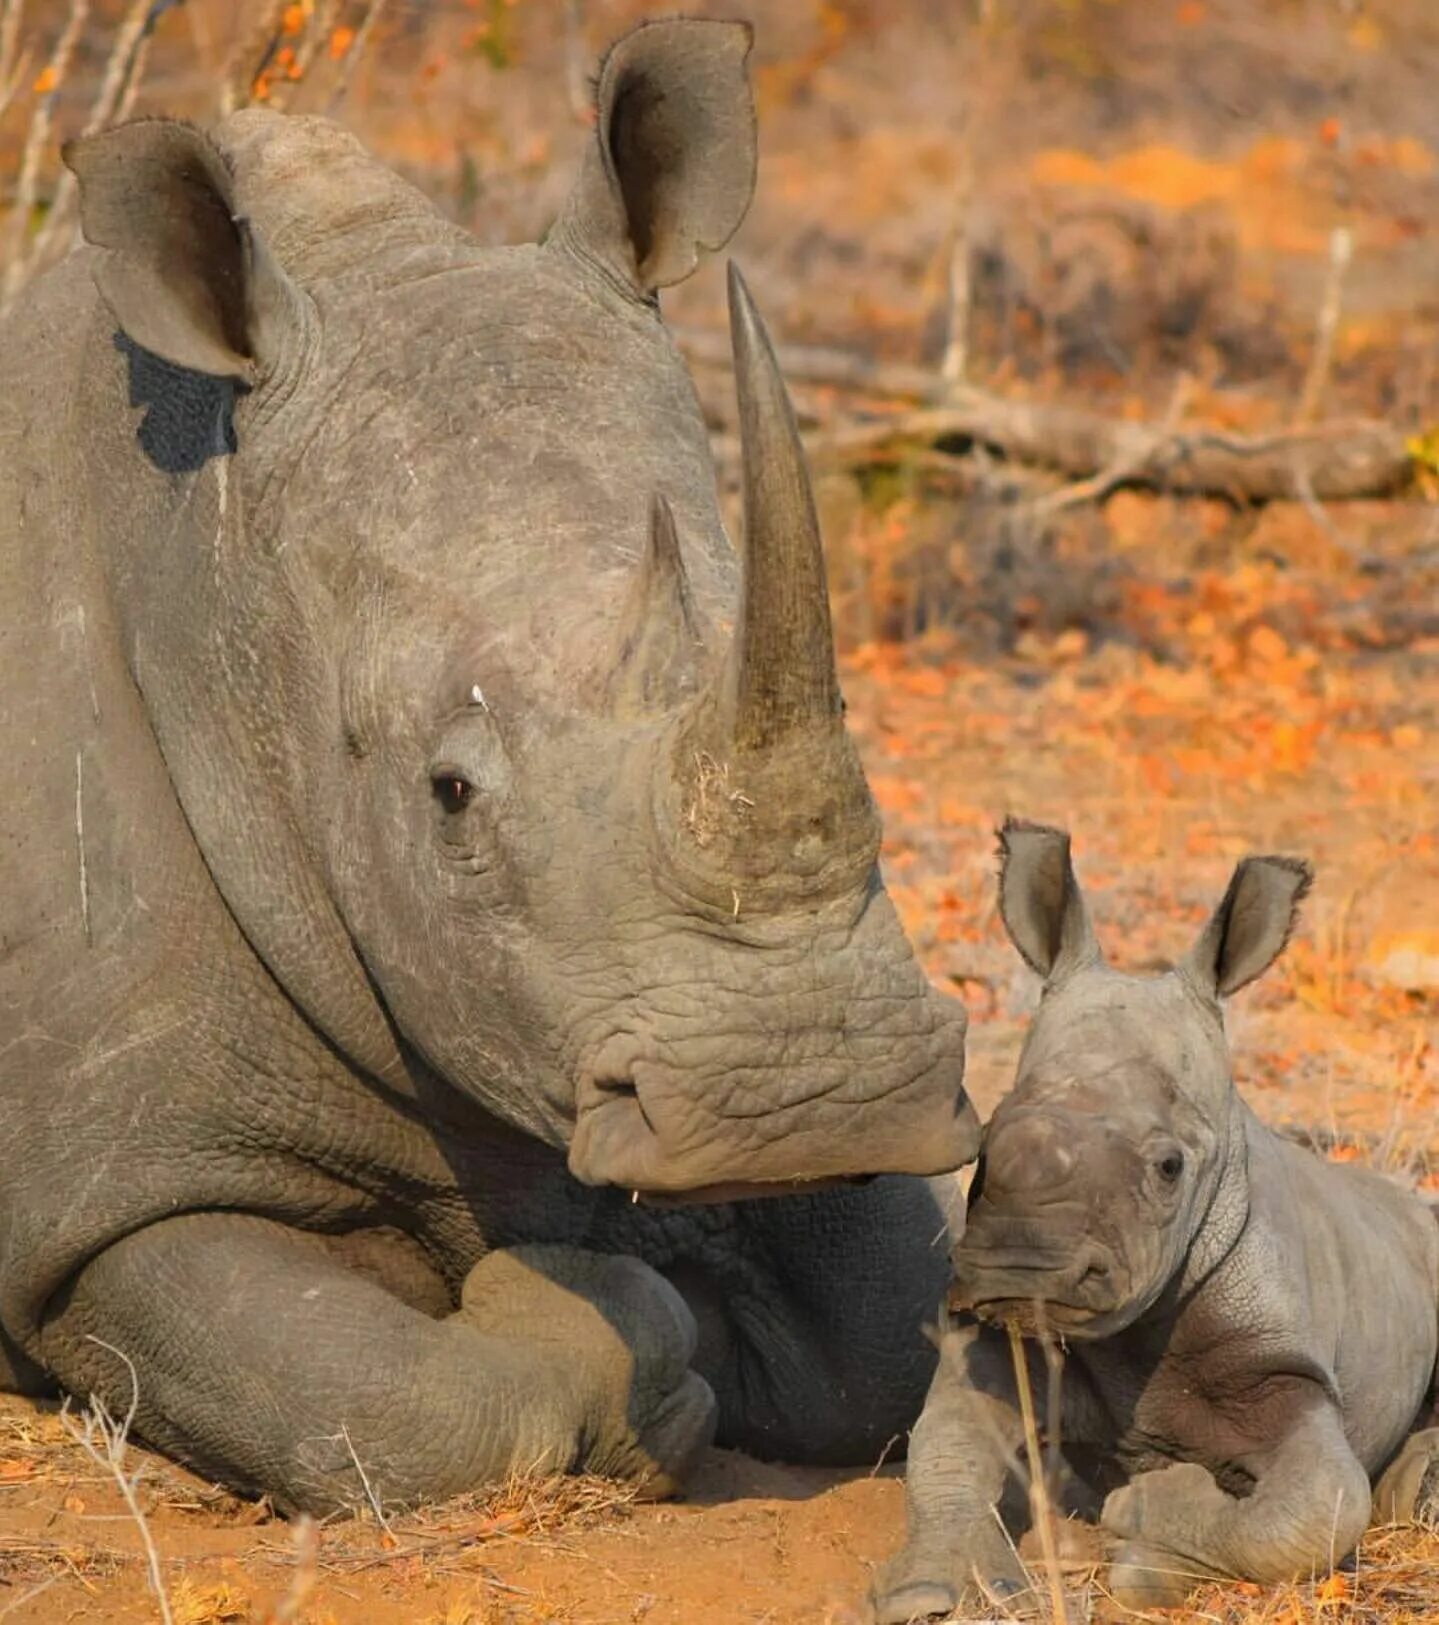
pixel 933 1576
pixel 1408 1489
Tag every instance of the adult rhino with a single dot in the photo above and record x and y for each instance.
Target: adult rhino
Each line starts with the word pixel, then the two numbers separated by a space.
pixel 404 862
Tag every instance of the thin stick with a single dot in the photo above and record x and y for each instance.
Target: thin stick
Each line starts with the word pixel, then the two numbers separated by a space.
pixel 577 85
pixel 370 1495
pixel 37 137
pixel 112 1436
pixel 29 1596
pixel 356 51
pixel 954 364
pixel 1054 1403
pixel 11 13
pixel 1124 467
pixel 1316 377
pixel 1039 1501
pixel 307 1554
pixel 114 99
pixel 319 28
pixel 248 58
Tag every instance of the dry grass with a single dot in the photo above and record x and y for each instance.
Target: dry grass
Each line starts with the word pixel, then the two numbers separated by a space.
pixel 44 1454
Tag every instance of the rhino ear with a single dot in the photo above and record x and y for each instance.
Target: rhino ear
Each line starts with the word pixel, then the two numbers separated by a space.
pixel 184 276
pixel 1249 929
pixel 1040 901
pixel 671 170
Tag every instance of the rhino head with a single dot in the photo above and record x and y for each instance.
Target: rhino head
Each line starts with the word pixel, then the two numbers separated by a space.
pixel 1116 1164
pixel 520 780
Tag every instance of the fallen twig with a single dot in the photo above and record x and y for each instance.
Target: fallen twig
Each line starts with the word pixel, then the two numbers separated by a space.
pixel 103 1440
pixel 1339 461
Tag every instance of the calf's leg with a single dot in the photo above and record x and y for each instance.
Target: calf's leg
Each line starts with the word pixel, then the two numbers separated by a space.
pixel 1309 1505
pixel 961 1458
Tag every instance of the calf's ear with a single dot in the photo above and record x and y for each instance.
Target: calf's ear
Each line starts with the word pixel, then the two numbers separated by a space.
pixel 1249 929
pixel 184 276
pixel 1040 901
pixel 671 170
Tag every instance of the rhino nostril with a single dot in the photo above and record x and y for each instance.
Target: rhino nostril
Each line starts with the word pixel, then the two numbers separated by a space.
pixel 625 1089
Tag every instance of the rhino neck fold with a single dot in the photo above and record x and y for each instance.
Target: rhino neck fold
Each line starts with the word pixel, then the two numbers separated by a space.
pixel 1222 1225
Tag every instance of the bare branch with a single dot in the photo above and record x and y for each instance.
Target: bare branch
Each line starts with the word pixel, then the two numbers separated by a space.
pixel 104 1440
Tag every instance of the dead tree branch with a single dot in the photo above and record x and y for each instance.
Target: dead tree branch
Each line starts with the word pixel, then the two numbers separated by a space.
pixel 1335 462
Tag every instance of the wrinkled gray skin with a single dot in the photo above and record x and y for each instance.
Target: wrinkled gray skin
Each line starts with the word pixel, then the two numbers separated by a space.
pixel 421 830
pixel 1250 1331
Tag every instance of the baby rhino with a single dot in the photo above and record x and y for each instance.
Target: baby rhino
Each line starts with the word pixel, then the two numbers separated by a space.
pixel 1250 1332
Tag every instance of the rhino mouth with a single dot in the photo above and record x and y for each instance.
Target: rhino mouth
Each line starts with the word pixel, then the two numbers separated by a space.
pixel 1066 1295
pixel 1032 1317
pixel 642 1131
pixel 738 1190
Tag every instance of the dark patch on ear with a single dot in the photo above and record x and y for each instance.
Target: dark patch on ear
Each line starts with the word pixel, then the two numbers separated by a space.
pixel 189 416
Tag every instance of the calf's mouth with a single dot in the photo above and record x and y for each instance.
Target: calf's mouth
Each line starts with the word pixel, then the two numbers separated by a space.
pixel 1037 1290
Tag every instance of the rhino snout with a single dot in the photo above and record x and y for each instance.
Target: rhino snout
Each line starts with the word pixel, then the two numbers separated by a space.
pixel 1030 1157
pixel 657 1130
pixel 1014 1278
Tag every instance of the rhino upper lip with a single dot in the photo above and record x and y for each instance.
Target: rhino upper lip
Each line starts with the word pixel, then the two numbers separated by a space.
pixel 745 1191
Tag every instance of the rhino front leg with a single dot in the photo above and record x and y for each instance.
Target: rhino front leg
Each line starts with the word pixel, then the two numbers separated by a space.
pixel 1309 1505
pixel 813 1316
pixel 263 1361
pixel 961 1458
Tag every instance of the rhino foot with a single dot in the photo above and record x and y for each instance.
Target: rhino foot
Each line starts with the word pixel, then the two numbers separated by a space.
pixel 1143 1576
pixel 924 1583
pixel 251 1352
pixel 1408 1491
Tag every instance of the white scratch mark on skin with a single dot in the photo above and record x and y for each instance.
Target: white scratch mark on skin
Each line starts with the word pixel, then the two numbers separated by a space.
pixel 80 843
pixel 71 621
pixel 89 669
pixel 222 499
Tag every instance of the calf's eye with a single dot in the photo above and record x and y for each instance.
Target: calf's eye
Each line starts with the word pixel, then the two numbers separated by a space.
pixel 1171 1166
pixel 452 791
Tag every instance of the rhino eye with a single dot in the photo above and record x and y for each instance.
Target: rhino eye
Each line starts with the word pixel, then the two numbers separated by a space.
pixel 1171 1166
pixel 452 791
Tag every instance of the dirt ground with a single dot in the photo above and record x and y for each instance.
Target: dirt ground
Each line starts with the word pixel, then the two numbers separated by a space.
pixel 1146 193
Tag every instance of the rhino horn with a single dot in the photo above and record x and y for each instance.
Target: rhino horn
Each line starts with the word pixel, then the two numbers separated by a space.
pixel 782 676
pixel 659 637
pixel 768 795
